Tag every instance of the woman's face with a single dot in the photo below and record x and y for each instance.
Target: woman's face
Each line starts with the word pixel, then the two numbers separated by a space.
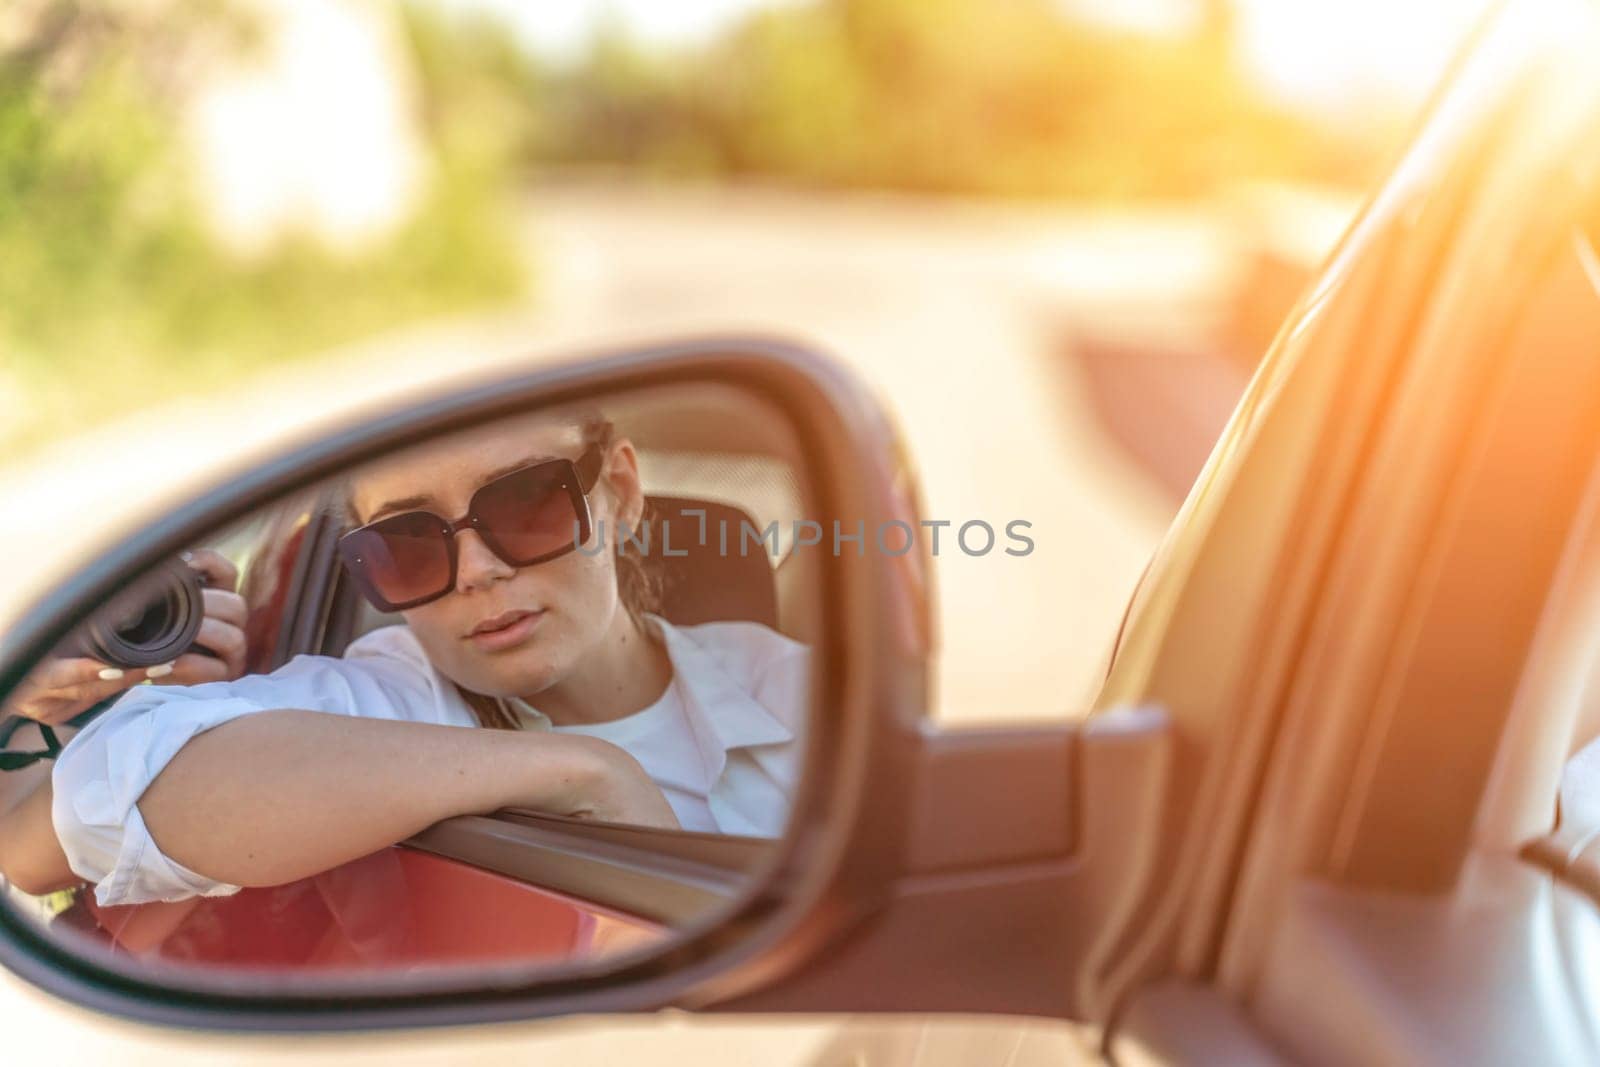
pixel 503 630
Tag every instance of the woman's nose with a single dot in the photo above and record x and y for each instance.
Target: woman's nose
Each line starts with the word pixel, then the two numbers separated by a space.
pixel 476 566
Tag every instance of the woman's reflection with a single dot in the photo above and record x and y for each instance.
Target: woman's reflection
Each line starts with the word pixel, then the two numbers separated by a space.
pixel 516 620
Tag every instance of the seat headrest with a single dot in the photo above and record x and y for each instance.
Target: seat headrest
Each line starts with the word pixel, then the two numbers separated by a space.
pixel 718 578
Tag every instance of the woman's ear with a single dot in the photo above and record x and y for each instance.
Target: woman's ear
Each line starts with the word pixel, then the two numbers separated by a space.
pixel 621 476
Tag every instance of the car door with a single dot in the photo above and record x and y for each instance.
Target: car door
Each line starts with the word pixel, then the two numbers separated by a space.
pixel 1369 628
pixel 1388 894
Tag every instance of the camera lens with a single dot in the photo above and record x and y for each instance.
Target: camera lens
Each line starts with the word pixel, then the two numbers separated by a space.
pixel 153 621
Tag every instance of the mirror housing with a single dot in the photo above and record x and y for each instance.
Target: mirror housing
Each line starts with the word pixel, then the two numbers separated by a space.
pixel 830 868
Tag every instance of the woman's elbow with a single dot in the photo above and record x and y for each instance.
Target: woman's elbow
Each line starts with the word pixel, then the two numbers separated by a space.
pixel 34 880
pixel 31 857
pixel 34 867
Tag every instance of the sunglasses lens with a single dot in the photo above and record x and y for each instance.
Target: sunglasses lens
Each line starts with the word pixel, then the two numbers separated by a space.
pixel 528 515
pixel 404 558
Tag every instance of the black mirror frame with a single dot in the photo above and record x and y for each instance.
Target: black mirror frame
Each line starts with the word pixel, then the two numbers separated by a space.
pixel 832 867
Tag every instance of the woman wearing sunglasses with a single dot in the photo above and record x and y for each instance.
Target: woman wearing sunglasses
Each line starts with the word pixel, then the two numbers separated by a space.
pixel 499 549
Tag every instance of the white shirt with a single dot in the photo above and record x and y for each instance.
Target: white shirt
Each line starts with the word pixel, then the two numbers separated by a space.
pixel 741 689
pixel 660 738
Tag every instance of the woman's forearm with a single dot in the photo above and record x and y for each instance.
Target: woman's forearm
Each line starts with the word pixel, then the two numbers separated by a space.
pixel 280 795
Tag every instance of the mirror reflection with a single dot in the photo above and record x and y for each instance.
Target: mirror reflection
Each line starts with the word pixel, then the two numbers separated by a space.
pixel 533 691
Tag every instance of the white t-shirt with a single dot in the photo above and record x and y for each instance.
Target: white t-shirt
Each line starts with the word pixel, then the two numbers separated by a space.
pixel 662 740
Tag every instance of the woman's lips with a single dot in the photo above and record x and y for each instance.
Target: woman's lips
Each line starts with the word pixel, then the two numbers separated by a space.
pixel 506 631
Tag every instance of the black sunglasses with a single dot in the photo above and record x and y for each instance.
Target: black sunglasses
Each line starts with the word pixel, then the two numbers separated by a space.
pixel 531 515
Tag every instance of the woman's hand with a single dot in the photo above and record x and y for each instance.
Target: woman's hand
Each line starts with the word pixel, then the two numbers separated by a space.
pixel 610 786
pixel 222 629
pixel 60 689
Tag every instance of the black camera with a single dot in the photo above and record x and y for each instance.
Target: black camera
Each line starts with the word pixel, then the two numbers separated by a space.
pixel 153 621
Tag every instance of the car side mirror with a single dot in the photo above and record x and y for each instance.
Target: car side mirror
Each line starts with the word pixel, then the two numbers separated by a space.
pixel 763 440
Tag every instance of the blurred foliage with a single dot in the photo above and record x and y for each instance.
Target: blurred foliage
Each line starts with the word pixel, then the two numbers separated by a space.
pixel 480 89
pixel 987 97
pixel 112 291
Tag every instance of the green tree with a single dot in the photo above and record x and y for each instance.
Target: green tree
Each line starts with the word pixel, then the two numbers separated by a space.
pixel 112 291
pixel 981 97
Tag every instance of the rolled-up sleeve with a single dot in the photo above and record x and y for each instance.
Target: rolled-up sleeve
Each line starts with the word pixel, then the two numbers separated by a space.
pixel 104 770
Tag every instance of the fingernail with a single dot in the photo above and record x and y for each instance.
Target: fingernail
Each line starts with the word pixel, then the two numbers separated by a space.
pixel 111 674
pixel 160 671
